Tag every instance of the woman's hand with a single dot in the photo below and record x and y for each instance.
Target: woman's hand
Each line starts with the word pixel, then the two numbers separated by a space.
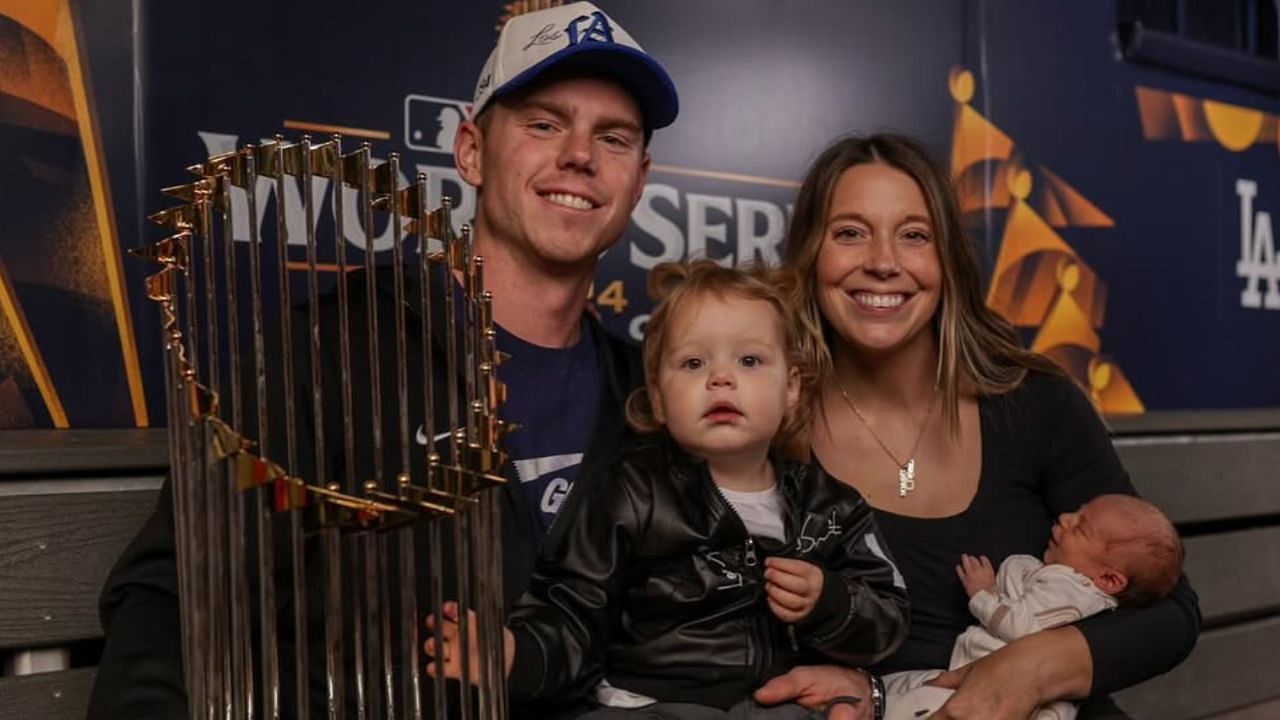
pixel 1012 682
pixel 818 686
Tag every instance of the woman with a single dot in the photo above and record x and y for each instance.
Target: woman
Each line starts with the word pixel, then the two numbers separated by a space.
pixel 962 441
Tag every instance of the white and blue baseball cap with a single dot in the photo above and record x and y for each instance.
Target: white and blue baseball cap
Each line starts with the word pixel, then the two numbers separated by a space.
pixel 578 35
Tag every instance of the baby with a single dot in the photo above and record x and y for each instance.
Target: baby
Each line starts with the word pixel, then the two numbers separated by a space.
pixel 1116 550
pixel 702 563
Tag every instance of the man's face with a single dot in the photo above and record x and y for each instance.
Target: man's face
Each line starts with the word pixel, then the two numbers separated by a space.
pixel 558 169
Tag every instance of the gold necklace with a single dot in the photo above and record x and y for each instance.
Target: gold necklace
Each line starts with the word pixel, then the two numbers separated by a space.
pixel 907 470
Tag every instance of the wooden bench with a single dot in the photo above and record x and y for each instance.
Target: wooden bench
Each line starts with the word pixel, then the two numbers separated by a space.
pixel 70 501
pixel 1218 477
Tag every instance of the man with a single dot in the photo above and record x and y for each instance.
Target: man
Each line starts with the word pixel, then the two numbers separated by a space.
pixel 563 112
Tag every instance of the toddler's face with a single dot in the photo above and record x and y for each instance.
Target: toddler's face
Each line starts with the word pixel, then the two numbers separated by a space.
pixel 724 384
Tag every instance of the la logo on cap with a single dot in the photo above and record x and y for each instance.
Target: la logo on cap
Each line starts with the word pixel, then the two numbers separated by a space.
pixel 598 31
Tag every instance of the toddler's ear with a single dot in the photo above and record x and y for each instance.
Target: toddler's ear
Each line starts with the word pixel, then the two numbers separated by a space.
pixel 793 387
pixel 655 403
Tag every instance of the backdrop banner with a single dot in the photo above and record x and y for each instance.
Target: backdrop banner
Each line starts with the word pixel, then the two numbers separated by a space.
pixel 1123 213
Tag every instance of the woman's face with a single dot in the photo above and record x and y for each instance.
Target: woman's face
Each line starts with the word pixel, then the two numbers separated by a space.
pixel 878 276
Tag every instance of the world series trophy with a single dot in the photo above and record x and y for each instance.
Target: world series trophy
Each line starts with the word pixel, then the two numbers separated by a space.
pixel 301 559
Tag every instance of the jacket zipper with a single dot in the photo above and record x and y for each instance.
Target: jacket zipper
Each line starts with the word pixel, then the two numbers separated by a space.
pixel 750 559
pixel 762 636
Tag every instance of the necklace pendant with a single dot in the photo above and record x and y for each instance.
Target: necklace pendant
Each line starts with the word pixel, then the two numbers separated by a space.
pixel 907 478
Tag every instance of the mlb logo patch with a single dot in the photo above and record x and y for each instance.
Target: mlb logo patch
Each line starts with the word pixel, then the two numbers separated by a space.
pixel 431 123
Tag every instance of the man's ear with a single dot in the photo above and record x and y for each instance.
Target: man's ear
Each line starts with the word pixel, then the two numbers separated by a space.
pixel 468 153
pixel 644 176
pixel 1111 581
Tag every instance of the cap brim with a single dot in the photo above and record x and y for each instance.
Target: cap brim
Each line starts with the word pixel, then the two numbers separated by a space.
pixel 638 72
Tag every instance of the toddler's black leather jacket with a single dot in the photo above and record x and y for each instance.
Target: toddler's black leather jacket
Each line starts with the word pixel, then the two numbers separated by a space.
pixel 650 579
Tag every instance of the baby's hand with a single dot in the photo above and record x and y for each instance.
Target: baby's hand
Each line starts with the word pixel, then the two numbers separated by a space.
pixel 449 659
pixel 976 574
pixel 792 586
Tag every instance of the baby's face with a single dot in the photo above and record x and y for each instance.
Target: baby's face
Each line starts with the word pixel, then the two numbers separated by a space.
pixel 724 385
pixel 1080 539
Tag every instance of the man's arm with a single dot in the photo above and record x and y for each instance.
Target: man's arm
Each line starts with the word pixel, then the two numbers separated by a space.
pixel 140 673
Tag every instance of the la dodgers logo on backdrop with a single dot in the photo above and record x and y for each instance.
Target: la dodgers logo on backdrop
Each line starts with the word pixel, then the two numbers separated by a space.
pixel 1258 261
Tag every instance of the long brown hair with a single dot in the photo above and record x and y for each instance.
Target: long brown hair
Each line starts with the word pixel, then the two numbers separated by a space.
pixel 676 285
pixel 976 347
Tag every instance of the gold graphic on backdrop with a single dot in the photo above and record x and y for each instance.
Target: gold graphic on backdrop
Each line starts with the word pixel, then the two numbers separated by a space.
pixel 63 255
pixel 1064 206
pixel 1039 281
pixel 1175 116
pixel 973 142
pixel 70 253
pixel 18 327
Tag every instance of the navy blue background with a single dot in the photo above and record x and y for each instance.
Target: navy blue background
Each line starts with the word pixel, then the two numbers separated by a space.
pixel 764 85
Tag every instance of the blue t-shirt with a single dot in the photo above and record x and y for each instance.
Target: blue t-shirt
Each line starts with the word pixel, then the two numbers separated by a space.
pixel 553 395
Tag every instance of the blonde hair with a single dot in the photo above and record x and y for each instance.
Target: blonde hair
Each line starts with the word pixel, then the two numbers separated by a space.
pixel 674 286
pixel 975 345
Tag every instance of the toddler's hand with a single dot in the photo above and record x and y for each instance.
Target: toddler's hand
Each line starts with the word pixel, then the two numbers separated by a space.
pixel 449 659
pixel 976 574
pixel 792 586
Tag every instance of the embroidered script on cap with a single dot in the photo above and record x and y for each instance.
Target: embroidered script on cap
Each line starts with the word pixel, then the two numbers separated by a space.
pixel 600 31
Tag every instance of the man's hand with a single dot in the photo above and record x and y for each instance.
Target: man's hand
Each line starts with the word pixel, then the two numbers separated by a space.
pixel 1012 682
pixel 817 687
pixel 449 659
pixel 793 587
pixel 976 574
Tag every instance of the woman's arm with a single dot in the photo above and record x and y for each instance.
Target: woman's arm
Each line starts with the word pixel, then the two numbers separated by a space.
pixel 1131 646
pixel 1012 682
pixel 1101 654
pixel 1127 646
